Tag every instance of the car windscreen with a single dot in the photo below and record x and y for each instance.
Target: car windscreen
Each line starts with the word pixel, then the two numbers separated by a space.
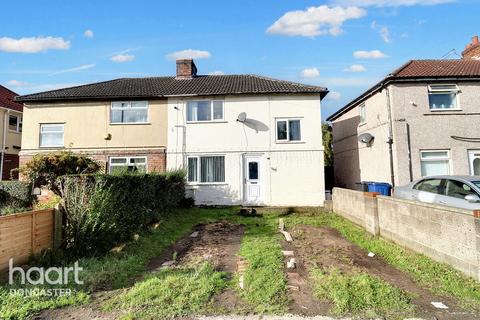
pixel 476 183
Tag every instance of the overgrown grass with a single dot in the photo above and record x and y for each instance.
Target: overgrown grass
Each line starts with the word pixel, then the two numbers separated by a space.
pixel 440 278
pixel 172 293
pixel 360 294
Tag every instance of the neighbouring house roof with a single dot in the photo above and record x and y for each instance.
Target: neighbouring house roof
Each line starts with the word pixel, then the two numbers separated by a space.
pixel 170 86
pixel 420 70
pixel 7 99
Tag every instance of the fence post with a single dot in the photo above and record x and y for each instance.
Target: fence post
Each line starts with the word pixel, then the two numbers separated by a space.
pixel 33 232
pixel 57 226
pixel 371 213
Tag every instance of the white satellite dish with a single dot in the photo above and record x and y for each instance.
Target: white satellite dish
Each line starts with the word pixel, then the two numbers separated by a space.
pixel 242 117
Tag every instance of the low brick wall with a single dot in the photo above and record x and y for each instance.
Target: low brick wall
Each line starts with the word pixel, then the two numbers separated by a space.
pixel 442 233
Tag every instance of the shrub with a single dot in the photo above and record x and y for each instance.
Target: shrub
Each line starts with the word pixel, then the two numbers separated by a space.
pixel 15 195
pixel 44 169
pixel 103 210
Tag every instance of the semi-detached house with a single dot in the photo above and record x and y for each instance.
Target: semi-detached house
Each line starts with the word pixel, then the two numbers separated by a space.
pixel 242 139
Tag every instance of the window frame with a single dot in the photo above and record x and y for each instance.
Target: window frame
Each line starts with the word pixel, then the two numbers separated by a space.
pixel 473 191
pixel 19 121
pixel 127 162
pixel 130 108
pixel 447 158
pixel 441 185
pixel 51 146
pixel 433 91
pixel 199 164
pixel 211 102
pixel 287 140
pixel 362 115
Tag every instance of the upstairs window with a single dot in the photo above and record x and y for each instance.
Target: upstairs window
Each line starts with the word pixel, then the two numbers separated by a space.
pixel 443 96
pixel 128 164
pixel 363 114
pixel 205 111
pixel 129 112
pixel 15 123
pixel 288 130
pixel 51 135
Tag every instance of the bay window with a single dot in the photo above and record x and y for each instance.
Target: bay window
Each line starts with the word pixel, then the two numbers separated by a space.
pixel 435 162
pixel 205 111
pixel 206 169
pixel 129 112
pixel 443 96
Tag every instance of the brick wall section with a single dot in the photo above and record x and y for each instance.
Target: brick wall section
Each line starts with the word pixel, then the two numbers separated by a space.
pixel 443 233
pixel 156 158
pixel 10 162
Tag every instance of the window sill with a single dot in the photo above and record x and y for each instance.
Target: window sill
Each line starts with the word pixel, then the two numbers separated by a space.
pixel 51 147
pixel 14 131
pixel 446 110
pixel 130 124
pixel 362 124
pixel 200 184
pixel 290 142
pixel 199 122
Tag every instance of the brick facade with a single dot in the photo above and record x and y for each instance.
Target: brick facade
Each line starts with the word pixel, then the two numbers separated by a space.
pixel 156 158
pixel 10 162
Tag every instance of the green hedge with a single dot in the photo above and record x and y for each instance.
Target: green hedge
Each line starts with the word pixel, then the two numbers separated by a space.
pixel 104 210
pixel 15 194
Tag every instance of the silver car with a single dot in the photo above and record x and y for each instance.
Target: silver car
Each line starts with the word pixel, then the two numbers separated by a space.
pixel 453 191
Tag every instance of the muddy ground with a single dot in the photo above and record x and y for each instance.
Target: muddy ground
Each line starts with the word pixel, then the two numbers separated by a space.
pixel 217 243
pixel 325 247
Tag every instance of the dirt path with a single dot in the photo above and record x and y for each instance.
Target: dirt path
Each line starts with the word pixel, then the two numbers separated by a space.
pixel 217 243
pixel 325 247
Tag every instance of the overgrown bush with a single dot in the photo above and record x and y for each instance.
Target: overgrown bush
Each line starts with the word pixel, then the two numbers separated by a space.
pixel 44 169
pixel 15 196
pixel 103 210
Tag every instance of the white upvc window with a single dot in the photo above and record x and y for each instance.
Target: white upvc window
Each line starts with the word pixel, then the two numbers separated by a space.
pixel 288 130
pixel 443 97
pixel 122 112
pixel 127 164
pixel 51 135
pixel 435 162
pixel 362 113
pixel 15 123
pixel 206 169
pixel 205 111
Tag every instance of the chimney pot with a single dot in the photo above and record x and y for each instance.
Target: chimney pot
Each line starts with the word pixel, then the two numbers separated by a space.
pixel 475 40
pixel 186 69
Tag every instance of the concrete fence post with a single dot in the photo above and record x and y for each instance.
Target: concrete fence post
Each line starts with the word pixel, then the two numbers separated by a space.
pixel 371 213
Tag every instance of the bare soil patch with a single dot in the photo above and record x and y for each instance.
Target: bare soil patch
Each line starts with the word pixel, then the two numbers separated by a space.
pixel 325 247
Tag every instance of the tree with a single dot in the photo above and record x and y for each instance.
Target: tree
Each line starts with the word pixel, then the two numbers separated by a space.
pixel 327 144
pixel 44 169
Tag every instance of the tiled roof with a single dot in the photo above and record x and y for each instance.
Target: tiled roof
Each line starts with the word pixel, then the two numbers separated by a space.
pixel 7 97
pixel 420 70
pixel 170 86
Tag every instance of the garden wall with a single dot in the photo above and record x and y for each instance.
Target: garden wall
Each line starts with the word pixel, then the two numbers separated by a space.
pixel 443 233
pixel 24 234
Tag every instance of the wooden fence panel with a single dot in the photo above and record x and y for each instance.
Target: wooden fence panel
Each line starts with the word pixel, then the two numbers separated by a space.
pixel 24 234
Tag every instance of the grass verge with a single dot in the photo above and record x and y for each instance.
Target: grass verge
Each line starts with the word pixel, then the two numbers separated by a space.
pixel 360 294
pixel 440 278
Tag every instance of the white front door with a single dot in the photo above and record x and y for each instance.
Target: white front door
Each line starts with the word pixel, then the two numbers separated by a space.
pixel 253 179
pixel 474 159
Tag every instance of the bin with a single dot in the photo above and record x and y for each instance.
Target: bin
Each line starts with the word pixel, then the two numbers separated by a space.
pixel 380 187
pixel 362 186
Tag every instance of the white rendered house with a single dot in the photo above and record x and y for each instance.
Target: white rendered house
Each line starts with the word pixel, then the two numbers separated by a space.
pixel 247 140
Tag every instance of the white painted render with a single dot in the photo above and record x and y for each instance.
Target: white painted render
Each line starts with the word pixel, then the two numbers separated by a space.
pixel 290 173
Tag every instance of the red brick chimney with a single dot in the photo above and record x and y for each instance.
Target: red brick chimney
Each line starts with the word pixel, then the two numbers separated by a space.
pixel 186 69
pixel 472 50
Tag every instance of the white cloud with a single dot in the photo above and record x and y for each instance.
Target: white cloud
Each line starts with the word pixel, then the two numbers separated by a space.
pixel 33 44
pixel 309 73
pixel 76 69
pixel 388 3
pixel 334 95
pixel 315 21
pixel 16 83
pixel 384 31
pixel 355 68
pixel 189 54
pixel 374 54
pixel 88 33
pixel 217 73
pixel 122 57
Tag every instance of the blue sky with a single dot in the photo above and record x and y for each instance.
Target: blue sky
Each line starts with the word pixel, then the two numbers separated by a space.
pixel 345 45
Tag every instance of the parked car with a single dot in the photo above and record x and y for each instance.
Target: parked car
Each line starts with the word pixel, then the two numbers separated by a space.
pixel 453 191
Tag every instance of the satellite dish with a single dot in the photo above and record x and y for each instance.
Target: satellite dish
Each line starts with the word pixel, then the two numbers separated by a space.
pixel 242 117
pixel 366 138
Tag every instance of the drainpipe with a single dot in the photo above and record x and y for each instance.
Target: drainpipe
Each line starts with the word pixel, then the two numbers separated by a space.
pixel 409 146
pixel 390 137
pixel 4 140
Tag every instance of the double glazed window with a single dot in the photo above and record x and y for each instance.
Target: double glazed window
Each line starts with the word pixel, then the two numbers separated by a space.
pixel 129 112
pixel 288 130
pixel 15 123
pixel 206 169
pixel 435 162
pixel 443 96
pixel 205 110
pixel 128 164
pixel 51 135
